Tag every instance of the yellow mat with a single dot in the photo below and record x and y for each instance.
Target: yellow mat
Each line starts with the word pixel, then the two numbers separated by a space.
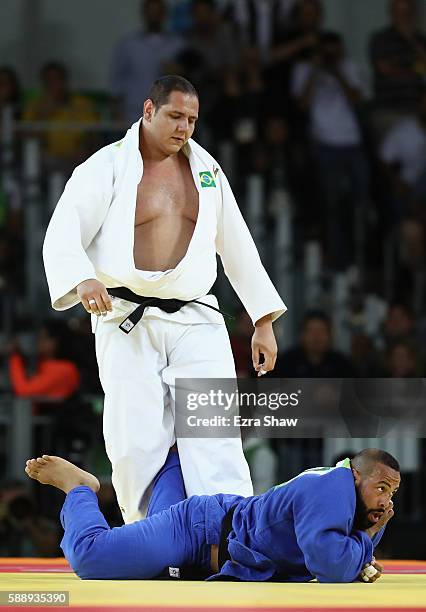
pixel 391 591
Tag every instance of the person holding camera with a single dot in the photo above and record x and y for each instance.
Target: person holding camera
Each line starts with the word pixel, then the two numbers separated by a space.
pixel 327 88
pixel 24 531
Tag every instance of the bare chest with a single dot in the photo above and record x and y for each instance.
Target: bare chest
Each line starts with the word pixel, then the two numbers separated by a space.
pixel 166 189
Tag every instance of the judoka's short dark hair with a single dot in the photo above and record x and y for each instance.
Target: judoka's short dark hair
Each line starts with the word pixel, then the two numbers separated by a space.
pixel 162 88
pixel 370 456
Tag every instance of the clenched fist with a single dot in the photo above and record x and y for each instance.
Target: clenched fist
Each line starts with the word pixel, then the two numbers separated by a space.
pixel 263 343
pixel 94 297
pixel 384 519
pixel 371 571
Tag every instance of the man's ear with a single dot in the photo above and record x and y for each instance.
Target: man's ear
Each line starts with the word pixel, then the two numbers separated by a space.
pixel 357 476
pixel 148 110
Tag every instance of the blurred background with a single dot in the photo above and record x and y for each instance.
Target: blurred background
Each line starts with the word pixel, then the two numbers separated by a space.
pixel 316 109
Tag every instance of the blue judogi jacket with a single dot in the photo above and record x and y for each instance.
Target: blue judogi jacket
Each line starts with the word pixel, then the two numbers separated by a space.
pixel 298 531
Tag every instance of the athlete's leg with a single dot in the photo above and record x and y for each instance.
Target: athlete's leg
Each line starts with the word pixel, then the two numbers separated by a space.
pixel 168 487
pixel 209 465
pixel 137 551
pixel 138 430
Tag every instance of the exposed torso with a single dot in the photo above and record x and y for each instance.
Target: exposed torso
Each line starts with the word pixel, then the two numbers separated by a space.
pixel 166 213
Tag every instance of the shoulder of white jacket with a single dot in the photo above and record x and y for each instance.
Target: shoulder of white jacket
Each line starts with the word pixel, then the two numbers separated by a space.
pixel 202 154
pixel 101 157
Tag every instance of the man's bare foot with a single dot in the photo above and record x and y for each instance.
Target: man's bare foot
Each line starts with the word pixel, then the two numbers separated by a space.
pixel 60 473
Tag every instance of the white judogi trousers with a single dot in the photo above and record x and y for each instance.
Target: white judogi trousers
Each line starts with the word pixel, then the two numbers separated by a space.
pixel 137 372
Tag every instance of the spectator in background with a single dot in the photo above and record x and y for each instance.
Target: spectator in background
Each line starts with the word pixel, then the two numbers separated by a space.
pixel 421 332
pixel 10 92
pixel 327 87
pixel 262 24
pixel 299 42
pixel 398 55
pixel 212 38
pixel 302 38
pixel 259 23
pixel 410 263
pixel 24 532
pixel 11 262
pixel 402 361
pixel 54 386
pixel 210 52
pixel 180 16
pixel 10 184
pixel 57 104
pixel 85 355
pixel 398 325
pixel 140 58
pixel 365 359
pixel 314 356
pixel 412 244
pixel 245 99
pixel 56 376
pixel 272 153
pixel 403 154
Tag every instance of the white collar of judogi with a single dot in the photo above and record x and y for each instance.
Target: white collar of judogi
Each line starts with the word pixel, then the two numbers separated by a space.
pixel 129 159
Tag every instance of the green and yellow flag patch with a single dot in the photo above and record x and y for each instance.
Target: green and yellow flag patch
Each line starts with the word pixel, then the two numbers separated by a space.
pixel 206 179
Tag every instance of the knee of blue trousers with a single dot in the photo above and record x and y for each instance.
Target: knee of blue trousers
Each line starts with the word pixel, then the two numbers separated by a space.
pixel 86 557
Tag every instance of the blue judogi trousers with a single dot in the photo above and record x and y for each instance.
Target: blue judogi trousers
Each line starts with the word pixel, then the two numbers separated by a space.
pixel 174 534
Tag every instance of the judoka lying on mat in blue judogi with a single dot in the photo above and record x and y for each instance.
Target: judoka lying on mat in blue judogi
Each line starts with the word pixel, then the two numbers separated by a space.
pixel 322 524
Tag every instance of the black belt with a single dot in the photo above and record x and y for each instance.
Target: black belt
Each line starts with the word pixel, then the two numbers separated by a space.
pixel 168 305
pixel 225 530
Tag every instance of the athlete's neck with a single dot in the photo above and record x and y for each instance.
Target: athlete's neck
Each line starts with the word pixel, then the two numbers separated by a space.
pixel 149 149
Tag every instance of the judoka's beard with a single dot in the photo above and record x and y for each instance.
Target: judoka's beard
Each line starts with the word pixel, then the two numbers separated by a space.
pixel 362 513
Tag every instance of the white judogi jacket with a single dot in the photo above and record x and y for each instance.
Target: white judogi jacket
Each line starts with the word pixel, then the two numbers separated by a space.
pixel 91 235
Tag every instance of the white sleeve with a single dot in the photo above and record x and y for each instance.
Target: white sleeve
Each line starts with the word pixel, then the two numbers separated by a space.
pixel 241 260
pixel 76 220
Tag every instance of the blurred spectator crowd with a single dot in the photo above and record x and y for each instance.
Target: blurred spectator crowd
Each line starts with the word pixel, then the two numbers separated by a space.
pixel 285 92
pixel 291 100
pixel 288 96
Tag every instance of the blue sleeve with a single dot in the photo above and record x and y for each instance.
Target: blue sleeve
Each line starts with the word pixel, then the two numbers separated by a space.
pixel 378 536
pixel 323 508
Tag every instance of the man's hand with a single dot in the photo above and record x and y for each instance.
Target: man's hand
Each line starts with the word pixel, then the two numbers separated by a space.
pixel 94 297
pixel 263 343
pixel 371 571
pixel 386 516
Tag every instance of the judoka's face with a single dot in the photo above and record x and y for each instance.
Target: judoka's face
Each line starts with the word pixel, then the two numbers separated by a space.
pixel 374 492
pixel 172 124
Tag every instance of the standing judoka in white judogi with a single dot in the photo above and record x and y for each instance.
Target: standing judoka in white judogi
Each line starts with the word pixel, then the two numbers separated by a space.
pixel 91 236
